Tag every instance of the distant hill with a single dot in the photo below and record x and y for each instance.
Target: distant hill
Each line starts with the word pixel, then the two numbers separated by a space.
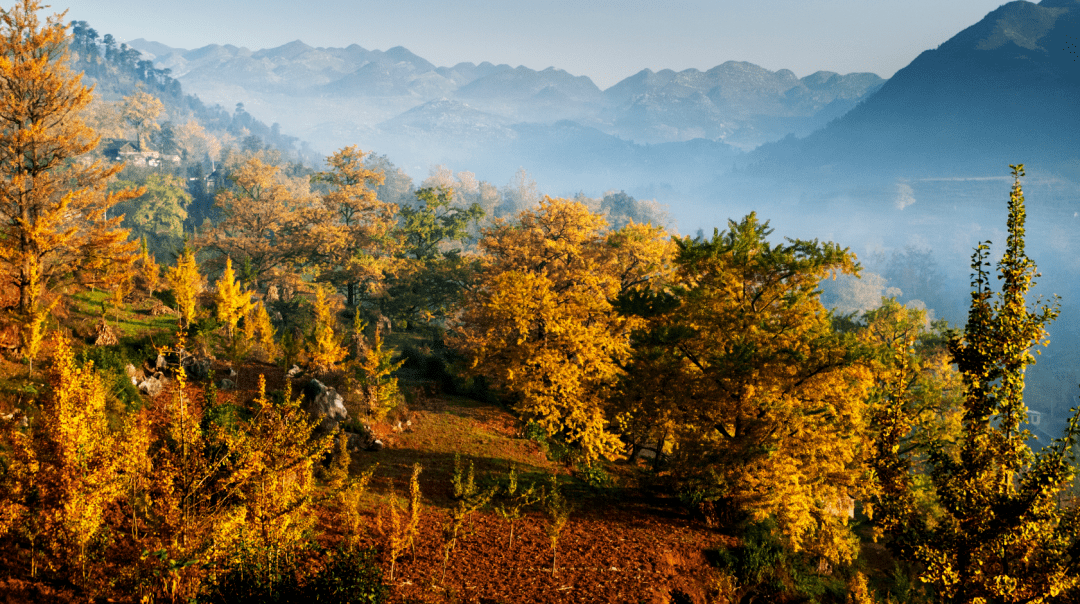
pixel 1004 90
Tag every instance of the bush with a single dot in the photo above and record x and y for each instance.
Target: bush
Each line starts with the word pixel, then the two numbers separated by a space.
pixel 429 367
pixel 595 475
pixel 246 580
pixel 347 576
pixel 762 564
pixel 350 575
pixel 109 362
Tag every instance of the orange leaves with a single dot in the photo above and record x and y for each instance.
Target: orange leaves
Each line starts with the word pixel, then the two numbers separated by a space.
pixel 257 214
pixel 53 231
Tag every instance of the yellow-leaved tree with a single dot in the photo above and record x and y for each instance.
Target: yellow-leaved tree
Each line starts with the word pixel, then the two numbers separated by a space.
pixel 187 284
pixel 149 273
pixel 541 321
pixel 233 302
pixel 256 214
pixel 349 232
pixel 1000 531
pixel 54 233
pixel 258 328
pixel 325 349
pixel 65 472
pixel 280 490
pixel 141 110
pixel 764 400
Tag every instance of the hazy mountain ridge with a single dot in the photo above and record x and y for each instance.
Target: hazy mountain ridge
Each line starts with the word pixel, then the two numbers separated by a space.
pixel 739 103
pixel 1001 91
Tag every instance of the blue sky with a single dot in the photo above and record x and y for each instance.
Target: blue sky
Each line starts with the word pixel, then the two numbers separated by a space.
pixel 606 40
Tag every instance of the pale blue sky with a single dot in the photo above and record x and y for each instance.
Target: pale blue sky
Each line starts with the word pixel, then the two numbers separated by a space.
pixel 606 40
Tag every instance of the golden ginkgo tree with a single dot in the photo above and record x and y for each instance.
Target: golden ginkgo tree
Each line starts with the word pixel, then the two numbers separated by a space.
pixel 762 400
pixel 1000 532
pixel 542 323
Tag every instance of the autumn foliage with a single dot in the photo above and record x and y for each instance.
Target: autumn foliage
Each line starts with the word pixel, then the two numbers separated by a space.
pixel 541 321
pixel 794 434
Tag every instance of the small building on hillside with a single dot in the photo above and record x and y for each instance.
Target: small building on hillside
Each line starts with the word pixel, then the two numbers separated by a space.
pixel 125 151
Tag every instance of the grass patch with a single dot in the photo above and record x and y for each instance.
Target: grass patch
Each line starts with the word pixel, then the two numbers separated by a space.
pixel 133 319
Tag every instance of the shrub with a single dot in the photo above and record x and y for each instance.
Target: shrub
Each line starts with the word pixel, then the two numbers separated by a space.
pixel 350 575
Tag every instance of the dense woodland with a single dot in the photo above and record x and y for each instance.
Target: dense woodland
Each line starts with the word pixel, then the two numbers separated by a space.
pixel 170 328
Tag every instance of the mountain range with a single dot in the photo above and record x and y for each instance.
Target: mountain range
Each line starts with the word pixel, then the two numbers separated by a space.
pixel 370 91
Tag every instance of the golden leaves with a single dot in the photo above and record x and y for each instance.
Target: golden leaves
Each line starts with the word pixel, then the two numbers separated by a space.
pixel 541 322
pixel 233 302
pixel 186 283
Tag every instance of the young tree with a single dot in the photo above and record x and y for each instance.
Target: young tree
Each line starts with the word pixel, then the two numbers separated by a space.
pixel 53 228
pixel 281 451
pixel 326 349
pixel 149 273
pixel 232 302
pixel 187 284
pixel 258 328
pixel 67 471
pixel 1002 534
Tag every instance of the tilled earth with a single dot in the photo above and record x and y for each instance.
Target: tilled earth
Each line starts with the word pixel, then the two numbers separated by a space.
pixel 612 553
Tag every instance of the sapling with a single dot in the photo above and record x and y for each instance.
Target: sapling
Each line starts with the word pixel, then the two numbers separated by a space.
pixel 338 473
pixel 349 506
pixel 558 510
pixel 396 534
pixel 402 533
pixel 469 500
pixel 512 507
pixel 413 528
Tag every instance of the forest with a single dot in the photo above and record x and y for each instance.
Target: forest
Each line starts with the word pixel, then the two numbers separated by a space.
pixel 272 382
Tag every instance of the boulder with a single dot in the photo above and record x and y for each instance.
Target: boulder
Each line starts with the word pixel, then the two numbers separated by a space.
pixel 226 384
pixel 324 404
pixel 161 363
pixel 197 369
pixel 16 418
pixel 293 372
pixel 130 371
pixel 363 441
pixel 151 386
